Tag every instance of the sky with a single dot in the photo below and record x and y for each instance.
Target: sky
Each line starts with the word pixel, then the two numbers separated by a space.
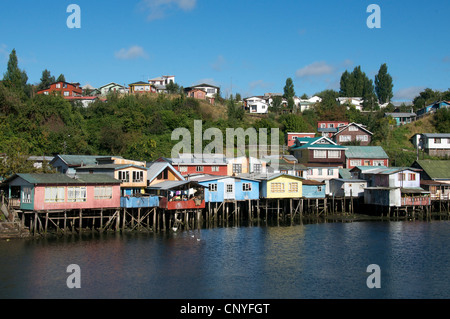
pixel 247 46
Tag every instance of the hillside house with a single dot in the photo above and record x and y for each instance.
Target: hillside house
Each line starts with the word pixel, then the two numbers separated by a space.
pixel 434 144
pixel 112 87
pixel 291 137
pixel 49 192
pixel 140 87
pixel 329 128
pixel 318 151
pixel 357 102
pixel 65 89
pixel 352 133
pixel 365 156
pixel 66 164
pixel 256 105
pixel 402 118
pixel 433 108
pixel 211 91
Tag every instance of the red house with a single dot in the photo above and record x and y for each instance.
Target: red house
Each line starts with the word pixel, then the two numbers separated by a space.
pixel 65 89
pixel 328 128
pixel 190 164
pixel 291 137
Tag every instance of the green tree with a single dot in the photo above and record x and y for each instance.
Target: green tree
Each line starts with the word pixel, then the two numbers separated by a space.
pixel 289 93
pixel 14 77
pixel 46 80
pixel 61 78
pixel 441 120
pixel 384 85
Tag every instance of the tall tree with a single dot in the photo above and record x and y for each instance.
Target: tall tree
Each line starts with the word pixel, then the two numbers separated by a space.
pixel 357 84
pixel 289 93
pixel 15 78
pixel 46 80
pixel 61 78
pixel 383 85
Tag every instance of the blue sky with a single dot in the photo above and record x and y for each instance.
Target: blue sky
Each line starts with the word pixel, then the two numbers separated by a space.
pixel 245 46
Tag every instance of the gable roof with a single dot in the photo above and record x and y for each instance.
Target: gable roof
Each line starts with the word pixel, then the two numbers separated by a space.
pixel 435 169
pixel 315 142
pixel 365 152
pixel 360 126
pixel 39 179
pixel 78 160
pixel 155 168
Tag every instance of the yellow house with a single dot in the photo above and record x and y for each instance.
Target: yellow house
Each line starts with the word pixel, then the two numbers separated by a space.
pixel 280 186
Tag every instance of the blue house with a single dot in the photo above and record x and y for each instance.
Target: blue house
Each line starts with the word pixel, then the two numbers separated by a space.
pixel 433 107
pixel 313 189
pixel 139 201
pixel 228 188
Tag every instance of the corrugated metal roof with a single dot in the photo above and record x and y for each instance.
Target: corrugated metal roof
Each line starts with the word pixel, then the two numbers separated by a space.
pixel 81 159
pixel 365 152
pixel 64 179
pixel 436 169
pixel 155 168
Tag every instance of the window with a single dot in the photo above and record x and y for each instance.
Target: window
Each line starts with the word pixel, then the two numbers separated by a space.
pixel 26 195
pixel 320 154
pixel 345 138
pixel 58 85
pixel 401 177
pixel 378 163
pixel 319 171
pixel 199 169
pixel 124 176
pixel 363 138
pixel 437 141
pixel 65 85
pixel 323 125
pixel 66 93
pixel 138 176
pixel 55 195
pixel 412 177
pixel 76 194
pixel 215 168
pixel 247 187
pixel 103 192
pixel 237 168
pixel 229 188
pixel 353 128
pixel 355 162
pixel 331 125
pixel 293 187
pixel 257 168
pixel 277 187
pixel 334 154
pixel 183 169
pixel 210 91
pixel 330 172
pixel 212 187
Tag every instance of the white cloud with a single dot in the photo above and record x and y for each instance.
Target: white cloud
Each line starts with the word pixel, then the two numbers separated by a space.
pixel 133 52
pixel 408 94
pixel 315 69
pixel 158 8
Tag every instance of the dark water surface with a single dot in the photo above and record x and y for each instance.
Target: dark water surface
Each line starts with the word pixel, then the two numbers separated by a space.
pixel 327 260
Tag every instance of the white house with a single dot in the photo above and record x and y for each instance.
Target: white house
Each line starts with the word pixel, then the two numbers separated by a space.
pixel 357 102
pixel 160 83
pixel 211 90
pixel 257 104
pixel 112 87
pixel 434 144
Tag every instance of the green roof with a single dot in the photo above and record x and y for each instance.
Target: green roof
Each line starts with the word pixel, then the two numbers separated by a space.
pixel 64 179
pixel 365 152
pixel 311 142
pixel 436 169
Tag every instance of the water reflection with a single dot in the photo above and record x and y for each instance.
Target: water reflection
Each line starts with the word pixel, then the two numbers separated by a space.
pixel 303 261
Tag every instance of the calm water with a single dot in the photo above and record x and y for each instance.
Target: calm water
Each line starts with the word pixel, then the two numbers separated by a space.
pixel 304 261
